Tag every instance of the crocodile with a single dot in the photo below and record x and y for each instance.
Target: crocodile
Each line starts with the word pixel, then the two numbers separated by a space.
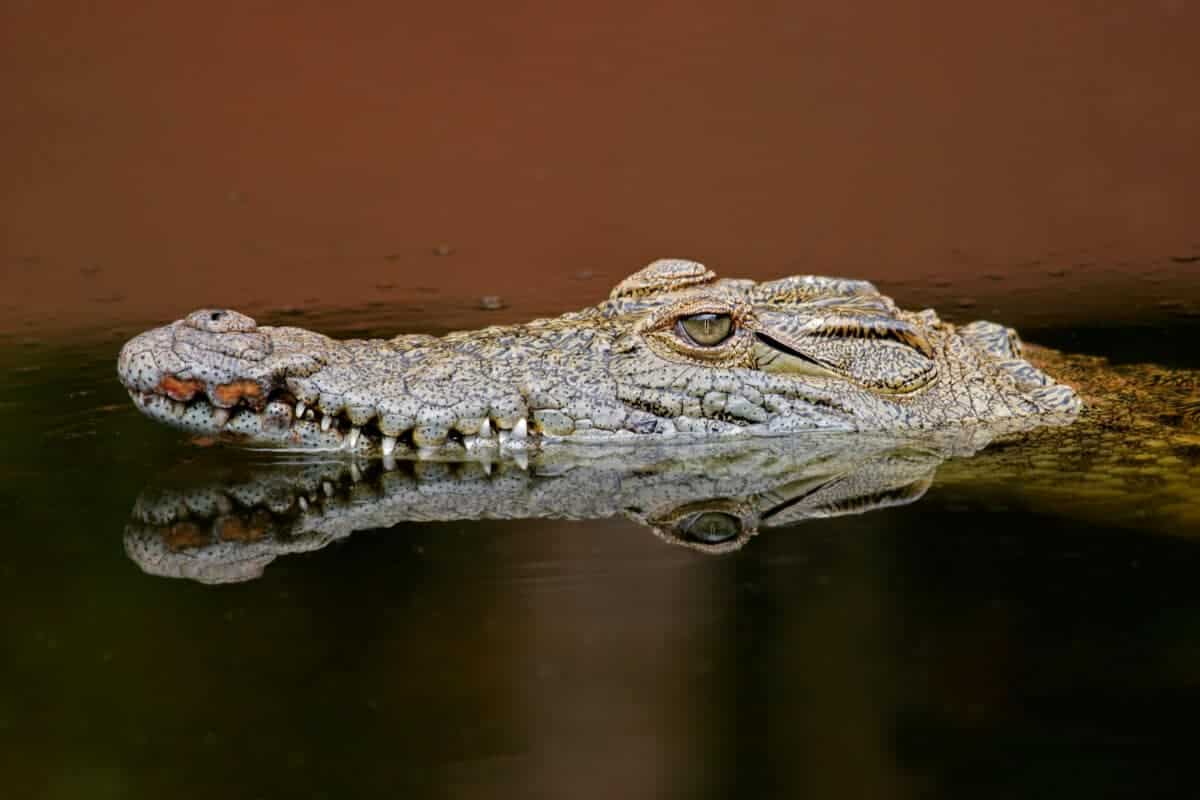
pixel 674 352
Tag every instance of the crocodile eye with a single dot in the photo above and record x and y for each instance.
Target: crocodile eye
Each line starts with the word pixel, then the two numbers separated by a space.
pixel 712 527
pixel 706 330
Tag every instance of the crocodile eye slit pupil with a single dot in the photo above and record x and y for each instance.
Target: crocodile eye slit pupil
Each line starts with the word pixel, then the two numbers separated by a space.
pixel 707 330
pixel 712 527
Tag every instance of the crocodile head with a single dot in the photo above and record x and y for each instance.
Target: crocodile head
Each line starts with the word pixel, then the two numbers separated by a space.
pixel 674 351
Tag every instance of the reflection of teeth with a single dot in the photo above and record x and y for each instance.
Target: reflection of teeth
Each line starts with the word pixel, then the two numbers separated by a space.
pixel 389 461
pixel 389 445
pixel 522 459
pixel 352 438
pixel 220 417
pixel 355 473
pixel 326 422
pixel 327 487
pixel 487 467
pixel 303 503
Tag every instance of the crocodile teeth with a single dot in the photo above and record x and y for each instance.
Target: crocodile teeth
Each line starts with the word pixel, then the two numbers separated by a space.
pixel 178 409
pixel 220 417
pixel 327 487
pixel 521 429
pixel 326 422
pixel 303 503
pixel 521 459
pixel 300 409
pixel 485 428
pixel 487 467
pixel 352 438
pixel 389 461
pixel 355 473
pixel 389 445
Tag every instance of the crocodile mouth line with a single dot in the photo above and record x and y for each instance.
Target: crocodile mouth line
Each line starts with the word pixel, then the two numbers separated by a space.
pixel 278 419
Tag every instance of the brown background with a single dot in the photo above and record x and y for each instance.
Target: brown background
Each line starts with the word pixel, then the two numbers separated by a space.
pixel 287 154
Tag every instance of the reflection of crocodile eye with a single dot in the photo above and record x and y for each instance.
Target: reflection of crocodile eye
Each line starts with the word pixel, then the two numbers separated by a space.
pixel 712 527
pixel 707 330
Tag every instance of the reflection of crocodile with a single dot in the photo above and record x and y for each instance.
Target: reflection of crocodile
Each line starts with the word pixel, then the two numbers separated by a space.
pixel 673 352
pixel 227 525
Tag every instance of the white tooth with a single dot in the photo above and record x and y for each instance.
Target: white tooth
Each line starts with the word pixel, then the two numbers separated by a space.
pixel 485 429
pixel 327 487
pixel 509 440
pixel 389 461
pixel 487 467
pixel 521 429
pixel 220 417
pixel 309 414
pixel 389 445
pixel 475 444
pixel 178 409
pixel 300 409
pixel 352 438
pixel 303 504
pixel 326 422
pixel 522 459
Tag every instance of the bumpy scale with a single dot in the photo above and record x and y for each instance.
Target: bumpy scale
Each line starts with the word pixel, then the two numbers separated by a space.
pixel 673 352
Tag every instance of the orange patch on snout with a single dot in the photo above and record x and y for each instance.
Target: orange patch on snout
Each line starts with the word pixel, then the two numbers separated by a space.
pixel 233 529
pixel 184 536
pixel 227 394
pixel 179 390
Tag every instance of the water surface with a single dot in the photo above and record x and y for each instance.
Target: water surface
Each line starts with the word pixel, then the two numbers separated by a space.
pixel 987 640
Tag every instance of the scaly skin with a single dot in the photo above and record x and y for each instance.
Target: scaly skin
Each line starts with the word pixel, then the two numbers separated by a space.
pixel 803 353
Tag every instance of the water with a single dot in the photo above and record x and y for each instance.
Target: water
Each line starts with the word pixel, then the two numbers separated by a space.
pixel 1003 630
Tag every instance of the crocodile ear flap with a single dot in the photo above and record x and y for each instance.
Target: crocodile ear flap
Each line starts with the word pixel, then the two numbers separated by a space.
pixel 664 275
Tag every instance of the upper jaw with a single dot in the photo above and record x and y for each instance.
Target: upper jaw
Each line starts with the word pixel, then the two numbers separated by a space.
pixel 291 388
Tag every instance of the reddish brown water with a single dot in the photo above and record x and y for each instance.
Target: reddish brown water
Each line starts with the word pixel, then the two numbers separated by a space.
pixel 158 159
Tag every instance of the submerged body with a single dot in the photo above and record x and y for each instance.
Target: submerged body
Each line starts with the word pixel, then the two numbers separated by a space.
pixel 674 352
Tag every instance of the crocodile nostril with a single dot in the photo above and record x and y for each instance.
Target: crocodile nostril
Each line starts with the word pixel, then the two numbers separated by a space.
pixel 219 320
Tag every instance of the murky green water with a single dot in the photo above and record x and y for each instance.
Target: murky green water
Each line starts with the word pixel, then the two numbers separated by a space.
pixel 981 637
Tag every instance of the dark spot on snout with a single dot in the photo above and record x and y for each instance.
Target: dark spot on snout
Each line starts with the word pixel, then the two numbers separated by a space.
pixel 219 320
